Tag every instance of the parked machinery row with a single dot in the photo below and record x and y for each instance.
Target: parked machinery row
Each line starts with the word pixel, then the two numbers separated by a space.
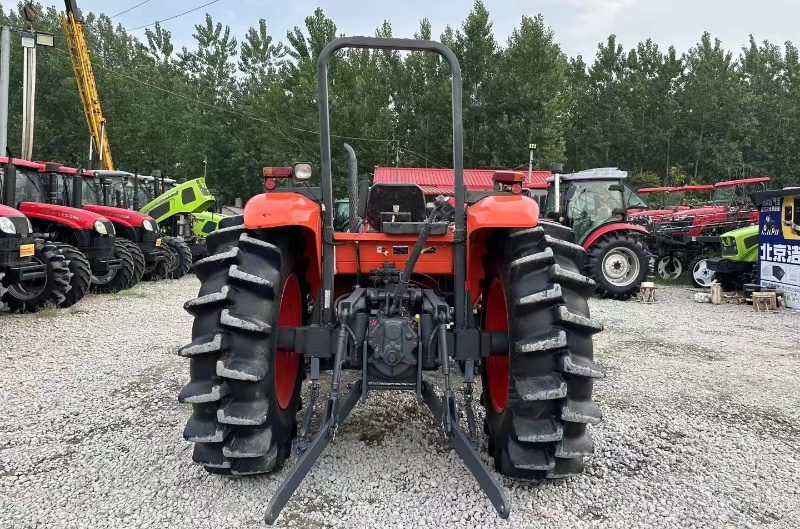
pixel 693 238
pixel 63 232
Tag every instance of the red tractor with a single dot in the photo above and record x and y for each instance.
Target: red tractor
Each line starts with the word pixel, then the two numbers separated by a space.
pixel 33 273
pixel 138 233
pixel 409 292
pixel 87 239
pixel 595 209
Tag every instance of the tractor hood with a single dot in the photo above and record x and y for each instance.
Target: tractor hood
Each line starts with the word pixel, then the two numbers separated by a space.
pixel 22 225
pixel 126 217
pixel 207 221
pixel 78 219
pixel 190 197
pixel 741 233
pixel 8 211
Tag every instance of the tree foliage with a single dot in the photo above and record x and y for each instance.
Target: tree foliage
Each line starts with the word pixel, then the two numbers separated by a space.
pixel 227 107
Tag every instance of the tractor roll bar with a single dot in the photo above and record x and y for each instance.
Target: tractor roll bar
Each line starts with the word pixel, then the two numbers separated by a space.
pixel 460 267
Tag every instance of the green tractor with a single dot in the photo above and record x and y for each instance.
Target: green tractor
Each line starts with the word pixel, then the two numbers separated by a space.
pixel 184 211
pixel 737 265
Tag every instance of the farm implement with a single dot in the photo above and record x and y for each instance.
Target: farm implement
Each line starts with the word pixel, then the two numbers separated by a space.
pixel 687 239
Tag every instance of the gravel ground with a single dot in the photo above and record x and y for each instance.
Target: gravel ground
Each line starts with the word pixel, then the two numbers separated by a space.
pixel 702 429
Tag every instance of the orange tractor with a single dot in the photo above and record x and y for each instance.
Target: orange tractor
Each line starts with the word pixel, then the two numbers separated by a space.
pixel 410 290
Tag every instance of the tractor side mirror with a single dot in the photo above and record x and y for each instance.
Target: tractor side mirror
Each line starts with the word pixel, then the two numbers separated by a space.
pixel 619 211
pixel 616 187
pixel 363 191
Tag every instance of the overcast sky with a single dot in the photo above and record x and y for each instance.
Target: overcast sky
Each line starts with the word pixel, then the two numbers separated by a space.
pixel 579 24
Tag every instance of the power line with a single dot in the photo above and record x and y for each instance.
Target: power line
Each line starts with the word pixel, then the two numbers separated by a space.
pixel 193 100
pixel 176 16
pixel 405 149
pixel 131 8
pixel 275 127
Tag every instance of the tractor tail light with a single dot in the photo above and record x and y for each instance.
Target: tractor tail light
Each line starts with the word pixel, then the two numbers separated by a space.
pixel 508 177
pixel 269 184
pixel 277 172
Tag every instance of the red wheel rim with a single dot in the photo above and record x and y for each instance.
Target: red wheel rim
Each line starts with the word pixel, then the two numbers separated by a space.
pixel 497 367
pixel 287 362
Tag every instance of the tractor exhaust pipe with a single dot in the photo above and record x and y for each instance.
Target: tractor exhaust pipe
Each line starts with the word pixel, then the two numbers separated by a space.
pixel 77 188
pixel 10 182
pixel 156 182
pixel 352 174
pixel 557 170
pixel 136 190
pixel 53 170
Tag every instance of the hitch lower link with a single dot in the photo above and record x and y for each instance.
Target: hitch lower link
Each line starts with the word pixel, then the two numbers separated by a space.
pixel 443 409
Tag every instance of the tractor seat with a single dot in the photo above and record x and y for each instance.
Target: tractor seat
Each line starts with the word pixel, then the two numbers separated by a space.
pixel 398 208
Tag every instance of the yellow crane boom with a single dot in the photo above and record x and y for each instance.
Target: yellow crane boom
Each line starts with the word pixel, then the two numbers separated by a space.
pixel 72 23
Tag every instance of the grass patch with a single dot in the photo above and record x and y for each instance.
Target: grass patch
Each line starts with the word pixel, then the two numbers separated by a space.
pixel 682 279
pixel 48 311
pixel 132 293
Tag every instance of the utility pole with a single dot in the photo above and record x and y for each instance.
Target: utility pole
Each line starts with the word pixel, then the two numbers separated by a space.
pixel 531 148
pixel 5 67
pixel 28 96
pixel 30 40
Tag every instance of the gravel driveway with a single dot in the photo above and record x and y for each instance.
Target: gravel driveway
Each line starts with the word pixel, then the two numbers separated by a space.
pixel 702 429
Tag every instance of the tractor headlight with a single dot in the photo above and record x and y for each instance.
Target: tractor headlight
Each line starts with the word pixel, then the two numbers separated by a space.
pixel 6 226
pixel 100 228
pixel 146 224
pixel 302 171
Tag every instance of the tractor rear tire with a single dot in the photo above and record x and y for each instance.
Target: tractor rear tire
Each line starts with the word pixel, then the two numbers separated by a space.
pixel 184 257
pixel 616 253
pixel 52 290
pixel 121 277
pixel 138 260
pixel 244 393
pixel 538 398
pixel 81 274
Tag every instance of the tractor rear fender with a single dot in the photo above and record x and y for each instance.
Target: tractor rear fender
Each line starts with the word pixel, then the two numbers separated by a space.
pixel 277 210
pixel 483 217
pixel 616 226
